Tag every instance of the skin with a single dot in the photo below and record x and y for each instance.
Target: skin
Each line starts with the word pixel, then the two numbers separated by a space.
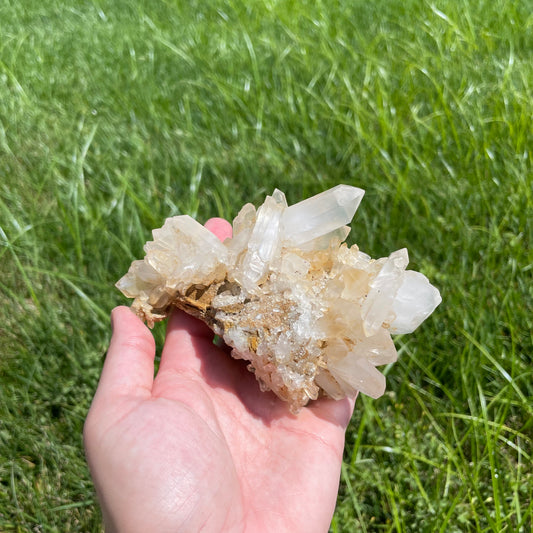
pixel 200 447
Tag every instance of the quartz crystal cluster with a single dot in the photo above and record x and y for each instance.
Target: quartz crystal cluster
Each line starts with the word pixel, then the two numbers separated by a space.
pixel 312 316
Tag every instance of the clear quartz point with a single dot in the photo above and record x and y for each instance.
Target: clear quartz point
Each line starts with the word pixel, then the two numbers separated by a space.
pixel 264 242
pixel 310 315
pixel 376 308
pixel 415 300
pixel 320 214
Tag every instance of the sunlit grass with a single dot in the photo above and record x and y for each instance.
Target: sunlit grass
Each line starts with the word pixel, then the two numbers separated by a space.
pixel 116 115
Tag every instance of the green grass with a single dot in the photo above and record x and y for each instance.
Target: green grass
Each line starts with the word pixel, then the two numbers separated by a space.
pixel 115 115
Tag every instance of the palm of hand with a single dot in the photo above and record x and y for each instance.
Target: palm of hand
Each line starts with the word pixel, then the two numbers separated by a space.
pixel 200 447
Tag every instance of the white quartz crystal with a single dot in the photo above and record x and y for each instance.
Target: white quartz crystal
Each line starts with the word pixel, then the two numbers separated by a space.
pixel 312 316
pixel 320 214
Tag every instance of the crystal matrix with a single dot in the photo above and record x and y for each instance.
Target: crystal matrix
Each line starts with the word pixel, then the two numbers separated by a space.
pixel 311 315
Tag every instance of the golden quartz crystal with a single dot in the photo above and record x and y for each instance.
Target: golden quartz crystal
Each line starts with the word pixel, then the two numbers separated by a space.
pixel 312 316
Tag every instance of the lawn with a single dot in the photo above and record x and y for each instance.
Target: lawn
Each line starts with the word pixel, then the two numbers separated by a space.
pixel 117 114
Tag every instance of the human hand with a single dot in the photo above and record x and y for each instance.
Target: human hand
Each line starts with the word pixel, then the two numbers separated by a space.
pixel 200 447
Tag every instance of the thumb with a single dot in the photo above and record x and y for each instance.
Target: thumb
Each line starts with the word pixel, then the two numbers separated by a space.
pixel 129 365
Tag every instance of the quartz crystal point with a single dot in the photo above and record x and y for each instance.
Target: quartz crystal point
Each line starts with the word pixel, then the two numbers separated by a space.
pixel 320 215
pixel 310 315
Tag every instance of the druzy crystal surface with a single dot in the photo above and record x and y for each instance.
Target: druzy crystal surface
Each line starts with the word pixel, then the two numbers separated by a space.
pixel 312 316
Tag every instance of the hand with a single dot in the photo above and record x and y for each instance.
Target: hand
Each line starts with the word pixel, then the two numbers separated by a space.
pixel 200 447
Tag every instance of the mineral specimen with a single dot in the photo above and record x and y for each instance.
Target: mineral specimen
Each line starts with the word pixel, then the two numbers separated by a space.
pixel 312 316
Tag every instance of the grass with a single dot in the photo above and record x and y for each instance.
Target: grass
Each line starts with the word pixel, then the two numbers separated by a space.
pixel 116 115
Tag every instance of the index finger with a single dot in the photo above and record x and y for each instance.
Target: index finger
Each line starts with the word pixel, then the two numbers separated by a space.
pixel 220 227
